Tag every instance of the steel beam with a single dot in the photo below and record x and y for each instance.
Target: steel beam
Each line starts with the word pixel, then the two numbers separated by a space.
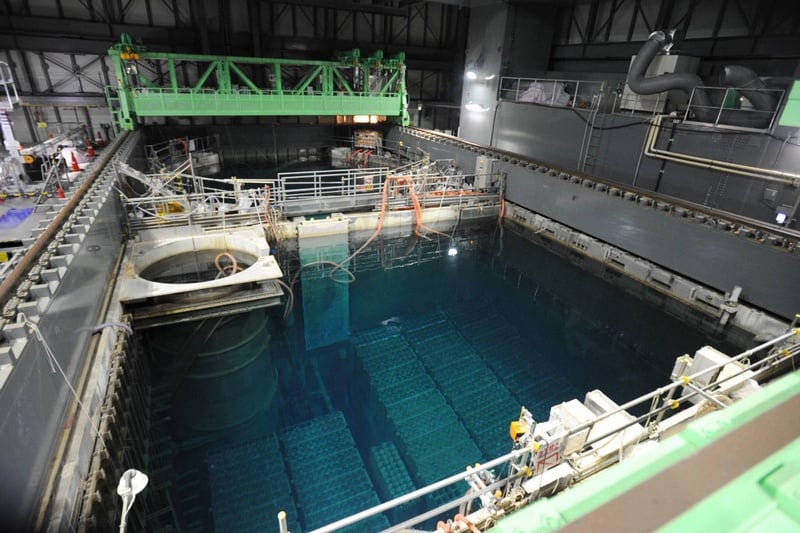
pixel 82 100
pixel 766 47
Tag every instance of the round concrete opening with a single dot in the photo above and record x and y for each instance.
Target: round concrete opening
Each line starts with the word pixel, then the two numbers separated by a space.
pixel 197 266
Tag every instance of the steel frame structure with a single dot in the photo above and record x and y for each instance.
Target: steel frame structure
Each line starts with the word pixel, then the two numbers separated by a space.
pixel 599 30
pixel 57 49
pixel 148 85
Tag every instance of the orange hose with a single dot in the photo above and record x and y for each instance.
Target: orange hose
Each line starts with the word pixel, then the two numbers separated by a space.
pixel 463 519
pixel 233 267
pixel 402 180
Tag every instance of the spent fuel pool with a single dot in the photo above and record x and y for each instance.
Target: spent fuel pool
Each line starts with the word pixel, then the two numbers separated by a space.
pixel 389 376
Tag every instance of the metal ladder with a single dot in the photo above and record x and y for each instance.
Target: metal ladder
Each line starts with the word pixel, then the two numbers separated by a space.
pixel 592 135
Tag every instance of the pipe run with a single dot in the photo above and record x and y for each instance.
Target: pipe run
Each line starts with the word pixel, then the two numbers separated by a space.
pixel 781 176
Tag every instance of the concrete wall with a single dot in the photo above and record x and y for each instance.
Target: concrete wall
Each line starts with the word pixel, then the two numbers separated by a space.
pixel 487 28
pixel 704 252
pixel 710 255
pixel 34 399
pixel 555 135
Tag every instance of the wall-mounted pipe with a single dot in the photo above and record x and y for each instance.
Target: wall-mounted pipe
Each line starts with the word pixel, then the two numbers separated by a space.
pixel 790 178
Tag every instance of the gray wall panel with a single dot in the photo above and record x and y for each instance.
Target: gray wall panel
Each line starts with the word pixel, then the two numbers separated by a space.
pixel 539 132
pixel 713 257
pixel 554 135
pixel 33 400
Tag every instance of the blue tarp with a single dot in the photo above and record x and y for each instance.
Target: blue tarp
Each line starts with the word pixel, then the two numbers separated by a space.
pixel 14 217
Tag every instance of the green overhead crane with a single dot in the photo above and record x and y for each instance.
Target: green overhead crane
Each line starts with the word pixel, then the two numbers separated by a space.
pixel 158 84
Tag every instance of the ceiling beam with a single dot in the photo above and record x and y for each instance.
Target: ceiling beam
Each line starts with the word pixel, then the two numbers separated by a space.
pixel 82 100
pixel 36 34
pixel 766 47
pixel 49 34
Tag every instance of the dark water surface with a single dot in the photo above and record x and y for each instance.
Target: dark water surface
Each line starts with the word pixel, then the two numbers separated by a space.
pixel 443 350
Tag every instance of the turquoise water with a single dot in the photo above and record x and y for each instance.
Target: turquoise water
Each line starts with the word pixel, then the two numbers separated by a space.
pixel 442 352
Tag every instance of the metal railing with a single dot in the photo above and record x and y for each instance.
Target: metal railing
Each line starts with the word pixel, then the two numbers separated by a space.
pixel 577 94
pixel 171 153
pixel 734 108
pixel 248 93
pixel 660 401
pixel 320 183
pixel 9 95
pixel 212 208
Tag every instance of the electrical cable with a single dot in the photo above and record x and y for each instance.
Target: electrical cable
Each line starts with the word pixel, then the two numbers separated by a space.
pixel 55 367
pixel 289 301
pixel 405 181
pixel 617 127
pixel 99 327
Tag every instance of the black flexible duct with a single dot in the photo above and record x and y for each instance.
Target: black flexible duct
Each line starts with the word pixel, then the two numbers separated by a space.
pixel 742 79
pixel 686 82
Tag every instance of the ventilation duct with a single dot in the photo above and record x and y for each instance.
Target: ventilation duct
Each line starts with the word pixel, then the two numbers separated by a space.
pixel 749 85
pixel 703 109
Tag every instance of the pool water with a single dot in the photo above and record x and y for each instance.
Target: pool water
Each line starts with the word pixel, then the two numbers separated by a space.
pixel 442 352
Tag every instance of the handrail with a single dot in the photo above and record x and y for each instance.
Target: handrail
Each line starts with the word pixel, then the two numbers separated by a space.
pixel 519 159
pixel 149 91
pixel 732 112
pixel 391 504
pixel 683 381
pixel 551 91
pixel 9 87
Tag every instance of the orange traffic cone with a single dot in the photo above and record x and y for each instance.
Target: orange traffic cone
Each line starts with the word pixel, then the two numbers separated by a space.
pixel 100 142
pixel 60 191
pixel 90 149
pixel 75 167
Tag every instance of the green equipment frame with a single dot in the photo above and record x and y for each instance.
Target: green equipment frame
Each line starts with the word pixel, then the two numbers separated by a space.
pixel 158 84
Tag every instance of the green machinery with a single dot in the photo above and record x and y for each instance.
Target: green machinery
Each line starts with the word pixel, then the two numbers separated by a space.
pixel 791 113
pixel 158 84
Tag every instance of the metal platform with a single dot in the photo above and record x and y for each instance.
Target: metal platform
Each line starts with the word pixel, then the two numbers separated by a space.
pixel 168 278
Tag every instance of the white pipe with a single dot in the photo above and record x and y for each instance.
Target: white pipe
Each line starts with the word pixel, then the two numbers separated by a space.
pixel 282 526
pixel 704 394
pixel 714 164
